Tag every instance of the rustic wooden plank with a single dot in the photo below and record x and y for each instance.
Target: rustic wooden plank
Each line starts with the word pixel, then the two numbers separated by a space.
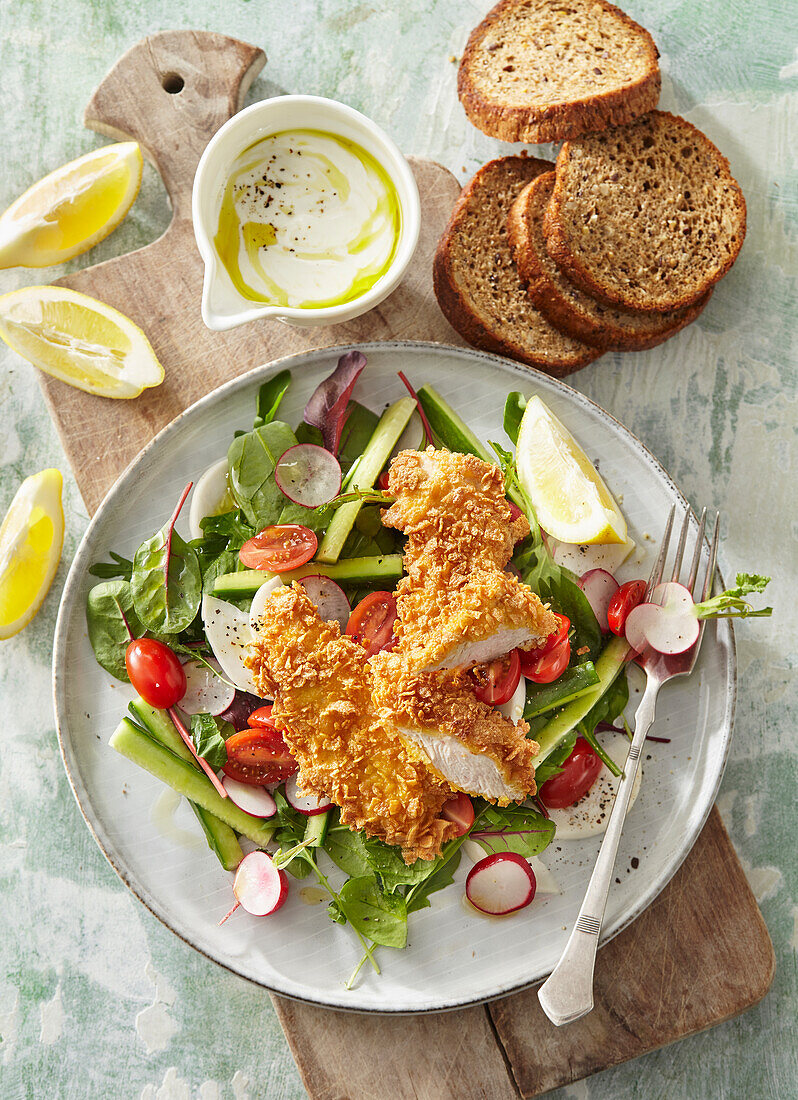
pixel 699 954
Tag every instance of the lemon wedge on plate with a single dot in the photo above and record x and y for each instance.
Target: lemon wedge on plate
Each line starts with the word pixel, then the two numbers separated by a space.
pixel 73 208
pixel 31 538
pixel 79 340
pixel 571 501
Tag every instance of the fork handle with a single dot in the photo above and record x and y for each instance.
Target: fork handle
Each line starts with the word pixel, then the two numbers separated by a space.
pixel 567 994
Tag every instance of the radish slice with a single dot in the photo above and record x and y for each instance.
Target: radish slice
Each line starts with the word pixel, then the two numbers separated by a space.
pixel 599 586
pixel 206 692
pixel 252 800
pixel 260 598
pixel 211 497
pixel 669 626
pixel 331 603
pixel 501 883
pixel 259 886
pixel 307 804
pixel 308 475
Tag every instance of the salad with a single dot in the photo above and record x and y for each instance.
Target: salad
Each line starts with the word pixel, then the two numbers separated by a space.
pixel 306 504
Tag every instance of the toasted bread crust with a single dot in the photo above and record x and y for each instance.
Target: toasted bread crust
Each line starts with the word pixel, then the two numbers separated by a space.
pixel 568 308
pixel 577 111
pixel 660 271
pixel 534 342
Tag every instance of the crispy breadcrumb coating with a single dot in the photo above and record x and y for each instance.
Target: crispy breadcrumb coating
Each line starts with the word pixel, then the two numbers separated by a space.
pixel 436 709
pixel 322 689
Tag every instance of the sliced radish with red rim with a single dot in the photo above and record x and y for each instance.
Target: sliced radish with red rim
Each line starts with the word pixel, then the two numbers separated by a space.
pixel 252 800
pixel 206 691
pixel 599 587
pixel 259 886
pixel 307 804
pixel 667 624
pixel 328 599
pixel 308 475
pixel 501 883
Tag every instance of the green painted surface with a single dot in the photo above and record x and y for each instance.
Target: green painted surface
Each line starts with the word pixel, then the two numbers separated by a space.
pixel 96 998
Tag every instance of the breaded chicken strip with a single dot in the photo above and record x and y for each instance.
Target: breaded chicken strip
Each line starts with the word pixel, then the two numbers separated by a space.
pixel 454 620
pixel 468 743
pixel 454 512
pixel 322 692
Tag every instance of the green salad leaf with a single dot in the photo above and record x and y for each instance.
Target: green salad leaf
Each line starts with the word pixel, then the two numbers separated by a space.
pixel 380 916
pixel 270 394
pixel 111 619
pixel 209 735
pixel 117 567
pixel 513 412
pixel 731 604
pixel 166 583
pixel 252 458
pixel 441 874
pixel 513 829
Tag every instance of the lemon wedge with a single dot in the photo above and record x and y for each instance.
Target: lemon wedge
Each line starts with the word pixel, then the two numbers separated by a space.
pixel 31 538
pixel 72 209
pixel 571 501
pixel 79 340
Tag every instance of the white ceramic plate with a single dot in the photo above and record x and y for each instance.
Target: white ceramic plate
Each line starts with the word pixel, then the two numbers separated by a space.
pixel 454 957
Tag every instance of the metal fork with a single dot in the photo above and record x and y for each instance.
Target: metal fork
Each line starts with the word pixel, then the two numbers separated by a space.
pixel 567 994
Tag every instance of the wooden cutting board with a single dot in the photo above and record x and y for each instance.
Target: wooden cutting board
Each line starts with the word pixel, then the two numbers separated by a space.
pixel 700 953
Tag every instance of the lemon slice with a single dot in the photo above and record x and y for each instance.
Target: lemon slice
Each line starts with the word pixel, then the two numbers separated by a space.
pixel 79 340
pixel 571 501
pixel 31 538
pixel 72 209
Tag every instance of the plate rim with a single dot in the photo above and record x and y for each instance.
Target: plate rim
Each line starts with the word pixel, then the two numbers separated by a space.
pixel 75 577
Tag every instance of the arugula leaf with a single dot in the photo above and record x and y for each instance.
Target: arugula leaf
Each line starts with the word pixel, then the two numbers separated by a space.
pixel 513 829
pixel 442 875
pixel 731 603
pixel 269 397
pixel 111 619
pixel 252 458
pixel 513 411
pixel 209 736
pixel 380 917
pixel 119 567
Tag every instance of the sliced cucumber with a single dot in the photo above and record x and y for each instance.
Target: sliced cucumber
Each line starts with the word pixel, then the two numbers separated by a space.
pixel 392 423
pixel 237 586
pixel 573 683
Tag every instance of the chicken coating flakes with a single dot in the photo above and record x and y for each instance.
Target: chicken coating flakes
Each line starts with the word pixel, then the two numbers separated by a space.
pixel 322 689
pixel 441 712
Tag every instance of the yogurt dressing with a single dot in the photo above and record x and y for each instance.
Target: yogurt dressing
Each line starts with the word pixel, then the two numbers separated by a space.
pixel 307 220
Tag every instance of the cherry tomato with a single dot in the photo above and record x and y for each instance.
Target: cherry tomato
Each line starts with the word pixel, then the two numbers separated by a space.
pixel 460 810
pixel 258 756
pixel 155 672
pixel 279 548
pixel 372 622
pixel 579 774
pixel 549 665
pixel 497 680
pixel 530 657
pixel 627 597
pixel 261 717
pixel 382 481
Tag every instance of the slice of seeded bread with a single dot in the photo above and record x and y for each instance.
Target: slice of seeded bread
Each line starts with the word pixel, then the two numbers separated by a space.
pixel 546 70
pixel 568 308
pixel 476 282
pixel 646 216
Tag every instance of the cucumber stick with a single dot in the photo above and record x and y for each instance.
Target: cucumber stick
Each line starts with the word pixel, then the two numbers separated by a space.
pixel 378 450
pixel 187 780
pixel 608 665
pixel 388 567
pixel 221 838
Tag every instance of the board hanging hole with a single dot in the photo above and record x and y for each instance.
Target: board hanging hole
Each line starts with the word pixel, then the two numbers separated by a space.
pixel 173 83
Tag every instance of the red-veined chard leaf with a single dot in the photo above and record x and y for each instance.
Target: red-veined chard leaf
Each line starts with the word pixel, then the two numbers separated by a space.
pixel 166 581
pixel 327 407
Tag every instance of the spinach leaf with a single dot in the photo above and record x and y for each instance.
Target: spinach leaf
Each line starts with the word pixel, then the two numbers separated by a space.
pixel 442 875
pixel 552 765
pixel 513 829
pixel 109 614
pixel 380 917
pixel 609 706
pixel 118 567
pixel 347 851
pixel 166 583
pixel 270 395
pixel 209 739
pixel 252 458
pixel 358 429
pixel 513 411
pixel 308 517
pixel 229 526
pixel 226 562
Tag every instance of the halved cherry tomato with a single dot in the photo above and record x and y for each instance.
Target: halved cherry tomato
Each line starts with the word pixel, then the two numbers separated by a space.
pixel 625 599
pixel 579 773
pixel 155 672
pixel 372 622
pixel 530 657
pixel 261 717
pixel 460 810
pixel 258 756
pixel 547 666
pixel 496 681
pixel 382 481
pixel 279 548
